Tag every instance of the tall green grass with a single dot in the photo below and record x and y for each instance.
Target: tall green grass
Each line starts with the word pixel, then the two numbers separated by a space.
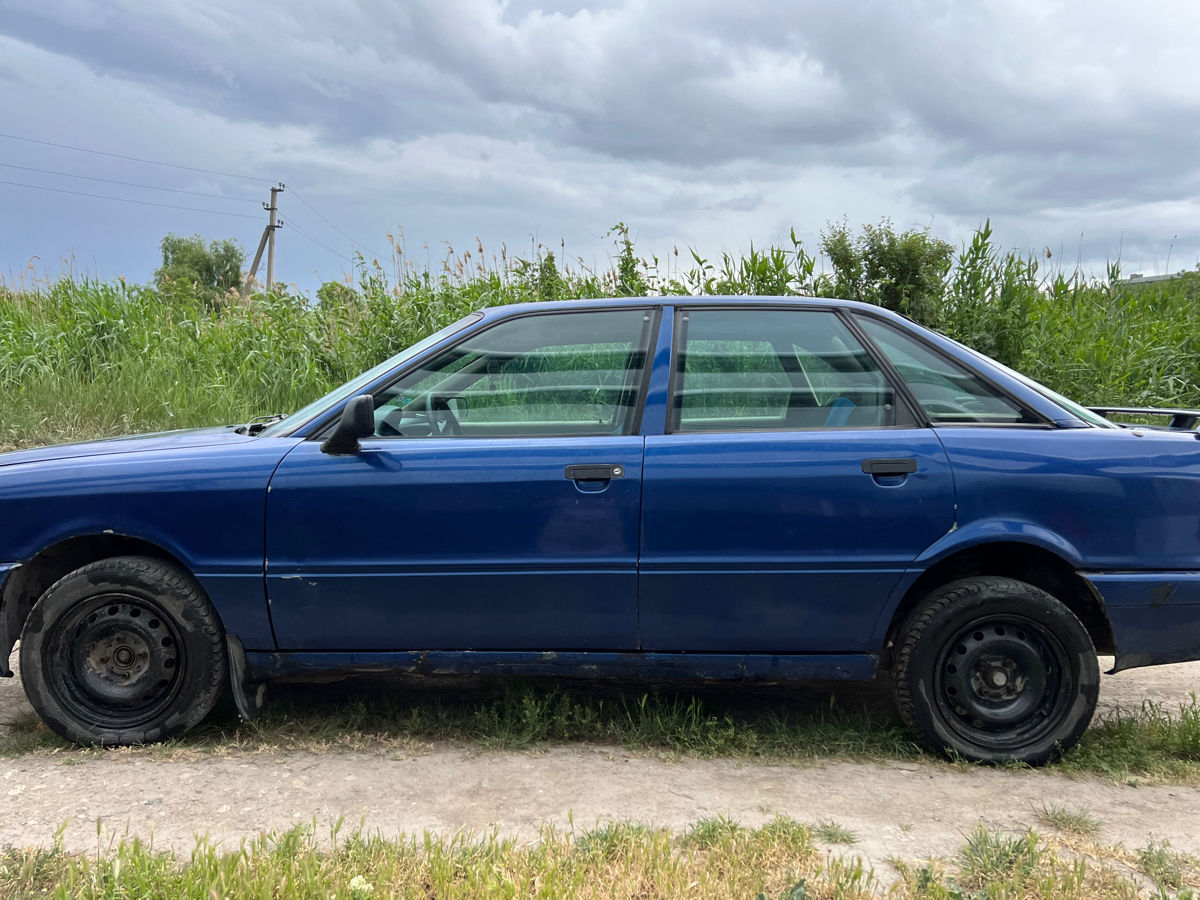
pixel 82 358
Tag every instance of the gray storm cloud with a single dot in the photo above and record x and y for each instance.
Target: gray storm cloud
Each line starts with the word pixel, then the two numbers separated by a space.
pixel 713 122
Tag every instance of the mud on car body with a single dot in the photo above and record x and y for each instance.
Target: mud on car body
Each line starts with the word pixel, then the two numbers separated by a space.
pixel 758 488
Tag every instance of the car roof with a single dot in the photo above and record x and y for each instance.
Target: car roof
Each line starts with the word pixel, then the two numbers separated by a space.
pixel 687 300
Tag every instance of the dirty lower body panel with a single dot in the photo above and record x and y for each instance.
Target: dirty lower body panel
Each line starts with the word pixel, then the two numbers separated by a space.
pixel 577 664
pixel 1155 616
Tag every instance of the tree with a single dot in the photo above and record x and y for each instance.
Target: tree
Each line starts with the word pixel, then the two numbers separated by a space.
pixel 208 272
pixel 902 272
pixel 333 295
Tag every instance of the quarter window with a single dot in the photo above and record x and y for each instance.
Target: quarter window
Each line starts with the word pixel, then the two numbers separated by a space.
pixel 555 374
pixel 949 393
pixel 770 369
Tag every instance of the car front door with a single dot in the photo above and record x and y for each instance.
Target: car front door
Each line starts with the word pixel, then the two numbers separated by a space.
pixel 791 492
pixel 496 507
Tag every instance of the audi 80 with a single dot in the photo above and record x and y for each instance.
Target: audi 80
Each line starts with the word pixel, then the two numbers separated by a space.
pixel 764 489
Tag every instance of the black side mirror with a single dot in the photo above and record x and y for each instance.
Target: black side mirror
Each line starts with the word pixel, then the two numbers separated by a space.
pixel 358 421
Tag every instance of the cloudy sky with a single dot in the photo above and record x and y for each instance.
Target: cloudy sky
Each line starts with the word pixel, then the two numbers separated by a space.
pixel 1073 126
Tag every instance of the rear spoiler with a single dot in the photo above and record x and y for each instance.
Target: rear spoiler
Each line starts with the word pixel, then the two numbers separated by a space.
pixel 1181 419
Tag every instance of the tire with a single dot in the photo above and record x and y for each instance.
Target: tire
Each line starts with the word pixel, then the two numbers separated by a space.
pixel 996 670
pixel 123 651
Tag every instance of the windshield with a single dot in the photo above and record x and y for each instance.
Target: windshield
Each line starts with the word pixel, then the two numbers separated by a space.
pixel 1070 406
pixel 350 388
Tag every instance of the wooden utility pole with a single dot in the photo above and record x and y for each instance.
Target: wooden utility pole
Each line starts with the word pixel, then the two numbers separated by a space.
pixel 267 241
pixel 271 238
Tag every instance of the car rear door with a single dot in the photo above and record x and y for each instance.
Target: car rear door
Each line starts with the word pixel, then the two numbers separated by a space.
pixel 792 490
pixel 497 506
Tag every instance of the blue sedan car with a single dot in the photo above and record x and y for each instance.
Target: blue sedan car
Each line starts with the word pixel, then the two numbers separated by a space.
pixel 706 488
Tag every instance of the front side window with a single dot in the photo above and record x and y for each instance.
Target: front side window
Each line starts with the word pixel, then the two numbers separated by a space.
pixel 354 386
pixel 555 374
pixel 949 393
pixel 771 369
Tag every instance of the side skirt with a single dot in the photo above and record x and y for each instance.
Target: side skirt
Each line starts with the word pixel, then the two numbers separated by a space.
pixel 307 665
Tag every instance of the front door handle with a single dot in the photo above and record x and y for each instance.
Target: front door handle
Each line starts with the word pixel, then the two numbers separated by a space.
pixel 594 472
pixel 904 466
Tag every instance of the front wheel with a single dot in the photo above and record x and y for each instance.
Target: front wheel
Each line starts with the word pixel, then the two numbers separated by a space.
pixel 996 670
pixel 123 651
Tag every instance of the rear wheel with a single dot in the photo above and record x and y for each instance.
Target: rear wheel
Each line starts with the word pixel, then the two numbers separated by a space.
pixel 996 670
pixel 123 651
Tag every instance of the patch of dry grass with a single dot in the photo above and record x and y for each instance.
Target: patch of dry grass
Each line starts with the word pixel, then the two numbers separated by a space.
pixel 715 858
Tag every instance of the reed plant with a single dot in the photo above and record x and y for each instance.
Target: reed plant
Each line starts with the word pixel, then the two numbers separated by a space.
pixel 81 358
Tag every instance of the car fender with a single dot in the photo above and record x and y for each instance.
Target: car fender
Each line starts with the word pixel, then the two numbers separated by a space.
pixel 202 506
pixel 996 530
pixel 87 527
pixel 977 534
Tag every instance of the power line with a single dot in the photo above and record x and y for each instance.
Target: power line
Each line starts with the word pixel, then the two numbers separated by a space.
pixel 156 162
pixel 149 187
pixel 152 162
pixel 215 212
pixel 338 230
pixel 320 243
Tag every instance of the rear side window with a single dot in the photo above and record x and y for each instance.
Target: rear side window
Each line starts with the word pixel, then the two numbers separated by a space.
pixel 949 393
pixel 775 369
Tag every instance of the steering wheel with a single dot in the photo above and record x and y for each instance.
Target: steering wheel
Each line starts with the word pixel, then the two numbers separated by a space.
pixel 441 417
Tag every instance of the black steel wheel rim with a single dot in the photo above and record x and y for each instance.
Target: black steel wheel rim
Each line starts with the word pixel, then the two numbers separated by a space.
pixel 115 661
pixel 1003 682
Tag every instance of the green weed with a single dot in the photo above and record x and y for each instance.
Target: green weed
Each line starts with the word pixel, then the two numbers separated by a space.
pixel 1150 742
pixel 614 840
pixel 711 832
pixel 831 832
pixel 1071 821
pixel 1167 867
pixel 991 856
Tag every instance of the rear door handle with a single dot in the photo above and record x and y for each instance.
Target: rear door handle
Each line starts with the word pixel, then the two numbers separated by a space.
pixel 594 472
pixel 904 466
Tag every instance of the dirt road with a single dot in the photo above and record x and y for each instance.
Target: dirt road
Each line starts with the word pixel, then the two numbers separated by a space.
pixel 906 809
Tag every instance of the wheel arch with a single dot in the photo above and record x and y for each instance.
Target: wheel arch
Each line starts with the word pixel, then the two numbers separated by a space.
pixel 1023 561
pixel 29 581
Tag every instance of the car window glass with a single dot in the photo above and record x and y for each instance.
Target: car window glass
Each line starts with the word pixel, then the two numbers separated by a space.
pixel 558 374
pixel 1080 412
pixel 766 369
pixel 949 393
pixel 352 387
